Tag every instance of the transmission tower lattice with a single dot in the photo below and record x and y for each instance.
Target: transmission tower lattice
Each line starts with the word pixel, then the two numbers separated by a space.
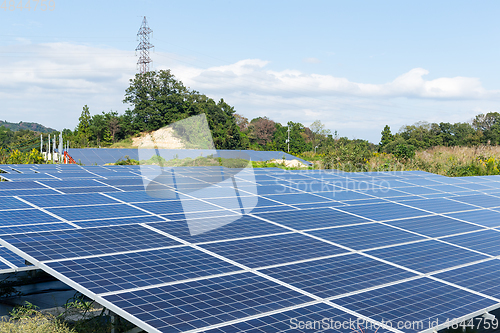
pixel 144 46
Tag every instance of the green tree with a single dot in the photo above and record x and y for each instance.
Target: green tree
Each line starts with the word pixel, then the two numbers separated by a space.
pixel 318 133
pixel 158 99
pixel 298 142
pixel 387 137
pixel 84 131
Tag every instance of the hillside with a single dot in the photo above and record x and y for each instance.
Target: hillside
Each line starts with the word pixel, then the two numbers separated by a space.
pixel 29 126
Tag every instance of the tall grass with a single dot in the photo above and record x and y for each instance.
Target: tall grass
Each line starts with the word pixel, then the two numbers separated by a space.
pixel 446 161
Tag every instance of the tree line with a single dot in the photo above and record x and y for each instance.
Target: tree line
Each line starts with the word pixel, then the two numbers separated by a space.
pixel 484 129
pixel 157 99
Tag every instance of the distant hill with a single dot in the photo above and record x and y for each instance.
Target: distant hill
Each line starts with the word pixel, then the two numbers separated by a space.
pixel 29 126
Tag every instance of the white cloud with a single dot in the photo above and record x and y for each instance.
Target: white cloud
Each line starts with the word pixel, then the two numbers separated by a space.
pixel 312 60
pixel 50 83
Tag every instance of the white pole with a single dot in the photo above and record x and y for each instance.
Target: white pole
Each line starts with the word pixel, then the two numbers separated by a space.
pixel 41 143
pixel 48 150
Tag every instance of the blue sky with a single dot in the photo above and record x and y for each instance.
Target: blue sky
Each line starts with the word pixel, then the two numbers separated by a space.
pixel 354 65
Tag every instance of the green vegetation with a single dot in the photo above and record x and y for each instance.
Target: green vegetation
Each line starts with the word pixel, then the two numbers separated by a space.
pixel 26 126
pixel 157 99
pixel 17 157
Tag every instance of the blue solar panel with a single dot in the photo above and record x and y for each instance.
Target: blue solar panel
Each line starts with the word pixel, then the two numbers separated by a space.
pixel 483 241
pixel 367 236
pixel 12 257
pixel 42 191
pixel 339 275
pixel 427 256
pixel 312 218
pixel 488 218
pixel 440 205
pixel 71 183
pixel 297 198
pixel 197 304
pixel 315 318
pixel 34 228
pixel 19 185
pixel 118 221
pixel 303 261
pixel 12 203
pixel 481 200
pixel 89 189
pixel 244 226
pixel 482 277
pixel 418 302
pixel 384 211
pixel 266 251
pixel 122 181
pixel 97 212
pixel 25 217
pixel 476 187
pixel 247 203
pixel 53 245
pixel 141 269
pixel 434 226
pixel 69 200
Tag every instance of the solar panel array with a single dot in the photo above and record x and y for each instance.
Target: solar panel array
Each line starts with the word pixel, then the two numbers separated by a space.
pixel 315 248
pixel 101 156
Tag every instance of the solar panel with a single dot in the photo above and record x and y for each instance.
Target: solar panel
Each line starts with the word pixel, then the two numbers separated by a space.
pixel 113 273
pixel 200 261
pixel 434 226
pixel 428 256
pixel 192 305
pixel 273 250
pixel 419 304
pixel 339 275
pixel 366 236
pixel 84 242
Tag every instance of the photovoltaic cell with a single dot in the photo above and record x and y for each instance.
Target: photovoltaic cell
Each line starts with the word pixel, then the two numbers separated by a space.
pixel 12 257
pixel 34 228
pixel 97 212
pixel 59 200
pixel 420 301
pixel 482 277
pixel 439 205
pixel 384 211
pixel 488 218
pixel 12 203
pixel 54 245
pixel 141 269
pixel 362 237
pixel 197 304
pixel 297 198
pixel 118 221
pixel 434 226
pixel 245 226
pixel 312 218
pixel 483 241
pixel 339 275
pixel 481 200
pixel 317 318
pixel 266 251
pixel 25 217
pixel 427 256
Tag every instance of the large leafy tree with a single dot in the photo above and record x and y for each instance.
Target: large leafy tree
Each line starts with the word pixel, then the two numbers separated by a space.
pixel 159 99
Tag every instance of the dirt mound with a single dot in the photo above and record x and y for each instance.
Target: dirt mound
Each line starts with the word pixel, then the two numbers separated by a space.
pixel 162 138
pixel 290 163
